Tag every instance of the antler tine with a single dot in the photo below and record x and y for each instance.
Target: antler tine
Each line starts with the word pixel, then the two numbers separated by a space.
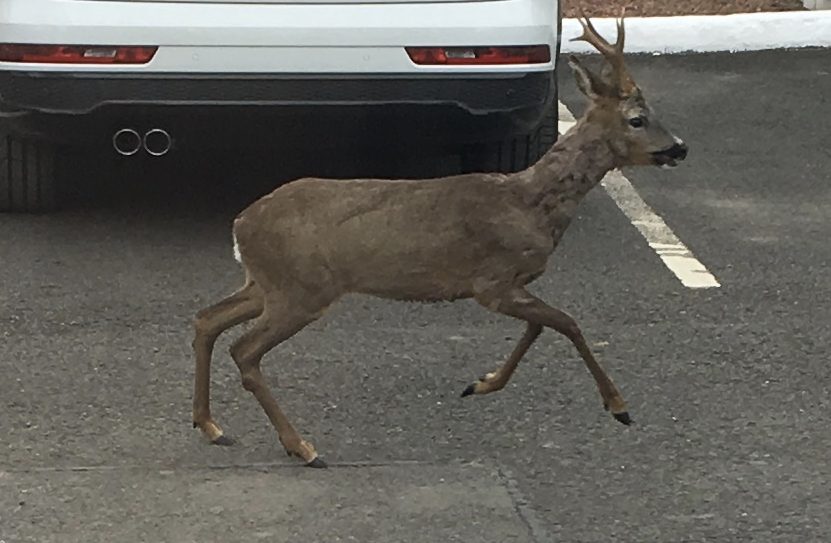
pixel 612 53
pixel 591 27
pixel 593 37
pixel 621 31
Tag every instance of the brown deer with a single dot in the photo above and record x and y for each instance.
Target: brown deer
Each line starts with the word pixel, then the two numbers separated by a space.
pixel 483 236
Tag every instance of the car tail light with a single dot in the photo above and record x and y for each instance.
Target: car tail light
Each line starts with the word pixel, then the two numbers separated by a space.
pixel 534 54
pixel 75 54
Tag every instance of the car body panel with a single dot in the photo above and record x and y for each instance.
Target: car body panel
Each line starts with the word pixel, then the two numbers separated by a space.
pixel 281 38
pixel 287 1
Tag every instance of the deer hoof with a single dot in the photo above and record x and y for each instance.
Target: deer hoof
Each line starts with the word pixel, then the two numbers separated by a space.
pixel 471 389
pixel 317 462
pixel 212 432
pixel 222 440
pixel 623 417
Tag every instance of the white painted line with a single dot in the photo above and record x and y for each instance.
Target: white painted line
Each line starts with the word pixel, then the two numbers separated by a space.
pixel 658 235
pixel 565 126
pixel 565 118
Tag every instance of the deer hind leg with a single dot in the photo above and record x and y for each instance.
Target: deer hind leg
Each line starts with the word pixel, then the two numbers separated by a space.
pixel 498 379
pixel 280 320
pixel 210 322
pixel 519 303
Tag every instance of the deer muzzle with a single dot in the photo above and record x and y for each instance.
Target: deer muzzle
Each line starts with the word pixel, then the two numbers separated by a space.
pixel 671 156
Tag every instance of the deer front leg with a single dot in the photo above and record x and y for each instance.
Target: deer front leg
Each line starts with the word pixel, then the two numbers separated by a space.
pixel 209 324
pixel 518 302
pixel 498 379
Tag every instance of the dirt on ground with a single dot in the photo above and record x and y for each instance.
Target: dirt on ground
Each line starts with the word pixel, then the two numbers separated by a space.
pixel 652 8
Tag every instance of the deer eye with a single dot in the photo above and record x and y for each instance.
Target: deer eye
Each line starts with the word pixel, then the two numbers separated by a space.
pixel 637 122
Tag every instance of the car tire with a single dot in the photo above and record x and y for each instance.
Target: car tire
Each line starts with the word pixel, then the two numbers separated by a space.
pixel 28 180
pixel 515 154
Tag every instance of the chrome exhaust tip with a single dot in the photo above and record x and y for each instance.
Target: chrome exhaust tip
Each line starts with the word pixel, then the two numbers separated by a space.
pixel 126 142
pixel 157 142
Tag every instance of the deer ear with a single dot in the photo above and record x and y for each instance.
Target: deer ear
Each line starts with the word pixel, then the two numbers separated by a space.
pixel 586 81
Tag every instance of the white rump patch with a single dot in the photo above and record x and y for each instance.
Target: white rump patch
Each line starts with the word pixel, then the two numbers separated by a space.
pixel 237 255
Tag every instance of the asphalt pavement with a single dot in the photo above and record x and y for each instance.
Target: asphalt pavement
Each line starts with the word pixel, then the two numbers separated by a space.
pixel 729 387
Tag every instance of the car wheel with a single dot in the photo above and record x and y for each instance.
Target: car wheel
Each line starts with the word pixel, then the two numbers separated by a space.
pixel 515 154
pixel 28 181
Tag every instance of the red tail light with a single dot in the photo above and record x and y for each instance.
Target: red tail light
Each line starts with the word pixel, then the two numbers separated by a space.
pixel 75 54
pixel 534 54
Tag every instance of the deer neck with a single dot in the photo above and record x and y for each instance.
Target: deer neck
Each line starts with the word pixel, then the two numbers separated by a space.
pixel 563 176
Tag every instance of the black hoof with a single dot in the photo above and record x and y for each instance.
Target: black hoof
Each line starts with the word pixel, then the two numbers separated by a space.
pixel 623 417
pixel 224 441
pixel 469 390
pixel 317 463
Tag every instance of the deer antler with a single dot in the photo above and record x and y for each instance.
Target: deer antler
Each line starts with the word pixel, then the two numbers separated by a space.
pixel 612 53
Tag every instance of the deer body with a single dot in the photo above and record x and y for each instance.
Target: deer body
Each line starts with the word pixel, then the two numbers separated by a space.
pixel 483 236
pixel 371 237
pixel 421 240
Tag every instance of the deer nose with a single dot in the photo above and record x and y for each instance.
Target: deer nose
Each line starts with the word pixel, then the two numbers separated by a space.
pixel 677 151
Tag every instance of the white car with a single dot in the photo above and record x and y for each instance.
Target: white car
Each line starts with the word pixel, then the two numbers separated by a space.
pixel 146 76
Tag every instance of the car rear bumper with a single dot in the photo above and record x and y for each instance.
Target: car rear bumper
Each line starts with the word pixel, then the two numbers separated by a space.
pixel 84 108
pixel 77 93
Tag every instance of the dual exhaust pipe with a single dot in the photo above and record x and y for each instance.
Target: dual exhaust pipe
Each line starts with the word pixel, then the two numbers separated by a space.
pixel 155 142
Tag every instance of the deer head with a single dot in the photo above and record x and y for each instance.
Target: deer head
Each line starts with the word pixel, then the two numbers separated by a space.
pixel 617 104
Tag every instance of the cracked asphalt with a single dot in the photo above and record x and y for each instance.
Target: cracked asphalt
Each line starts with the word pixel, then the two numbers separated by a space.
pixel 729 387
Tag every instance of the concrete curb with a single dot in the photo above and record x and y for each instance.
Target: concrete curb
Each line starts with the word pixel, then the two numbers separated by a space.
pixel 711 33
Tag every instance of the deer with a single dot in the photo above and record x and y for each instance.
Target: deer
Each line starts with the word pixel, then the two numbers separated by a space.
pixel 481 236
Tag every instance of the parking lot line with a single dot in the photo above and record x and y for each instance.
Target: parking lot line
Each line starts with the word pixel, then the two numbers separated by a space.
pixel 674 254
